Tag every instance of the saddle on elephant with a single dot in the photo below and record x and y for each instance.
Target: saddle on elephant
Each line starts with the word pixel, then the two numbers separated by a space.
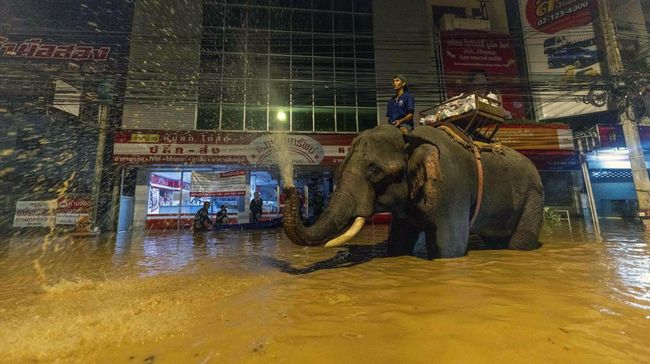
pixel 475 115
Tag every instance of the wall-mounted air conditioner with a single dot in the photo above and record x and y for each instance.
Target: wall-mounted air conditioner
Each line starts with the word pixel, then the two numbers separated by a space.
pixel 451 22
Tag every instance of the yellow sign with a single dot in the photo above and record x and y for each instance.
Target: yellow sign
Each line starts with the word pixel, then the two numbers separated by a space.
pixel 145 138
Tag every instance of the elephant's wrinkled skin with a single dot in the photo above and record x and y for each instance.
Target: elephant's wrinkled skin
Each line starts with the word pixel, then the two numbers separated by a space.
pixel 429 183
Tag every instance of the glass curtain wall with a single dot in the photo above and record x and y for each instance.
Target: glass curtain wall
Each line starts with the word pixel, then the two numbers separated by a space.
pixel 287 65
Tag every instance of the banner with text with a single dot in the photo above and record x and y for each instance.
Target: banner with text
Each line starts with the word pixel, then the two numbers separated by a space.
pixel 562 55
pixel 483 61
pixel 218 184
pixel 34 213
pixel 206 147
pixel 70 209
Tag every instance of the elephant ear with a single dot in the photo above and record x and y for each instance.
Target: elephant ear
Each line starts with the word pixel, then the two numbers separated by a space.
pixel 423 167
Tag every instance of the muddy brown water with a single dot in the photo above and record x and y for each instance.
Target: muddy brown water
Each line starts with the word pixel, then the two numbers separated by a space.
pixel 253 297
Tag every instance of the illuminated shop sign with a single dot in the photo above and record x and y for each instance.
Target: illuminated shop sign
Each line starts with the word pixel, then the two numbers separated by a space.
pixel 37 49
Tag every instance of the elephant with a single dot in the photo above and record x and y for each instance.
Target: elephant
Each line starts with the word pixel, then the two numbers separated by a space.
pixel 429 182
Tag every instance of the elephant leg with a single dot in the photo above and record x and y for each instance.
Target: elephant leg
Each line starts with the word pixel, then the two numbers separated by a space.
pixel 447 240
pixel 401 238
pixel 526 235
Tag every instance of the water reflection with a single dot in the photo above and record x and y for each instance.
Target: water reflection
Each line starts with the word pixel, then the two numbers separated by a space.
pixel 175 296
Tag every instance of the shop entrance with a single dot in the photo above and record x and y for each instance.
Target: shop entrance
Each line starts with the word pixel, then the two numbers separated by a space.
pixel 174 195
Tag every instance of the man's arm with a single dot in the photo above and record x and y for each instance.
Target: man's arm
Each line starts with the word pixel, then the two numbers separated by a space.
pixel 403 120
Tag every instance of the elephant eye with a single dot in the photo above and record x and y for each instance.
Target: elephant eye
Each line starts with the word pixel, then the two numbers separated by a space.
pixel 375 174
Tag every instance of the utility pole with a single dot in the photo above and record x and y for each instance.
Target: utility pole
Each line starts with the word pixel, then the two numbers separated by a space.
pixel 99 163
pixel 630 131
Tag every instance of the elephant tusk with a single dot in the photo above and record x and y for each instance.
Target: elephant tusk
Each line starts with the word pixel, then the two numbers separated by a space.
pixel 352 231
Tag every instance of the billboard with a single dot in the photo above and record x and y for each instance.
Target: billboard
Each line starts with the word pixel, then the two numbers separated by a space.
pixel 482 61
pixel 40 40
pixel 562 55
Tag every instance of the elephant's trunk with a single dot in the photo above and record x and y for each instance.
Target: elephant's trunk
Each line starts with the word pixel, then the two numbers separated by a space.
pixel 334 227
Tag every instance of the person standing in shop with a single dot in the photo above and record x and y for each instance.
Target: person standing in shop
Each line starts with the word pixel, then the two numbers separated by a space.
pixel 255 208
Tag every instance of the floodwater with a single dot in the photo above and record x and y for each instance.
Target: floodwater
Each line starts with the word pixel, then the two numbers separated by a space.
pixel 253 297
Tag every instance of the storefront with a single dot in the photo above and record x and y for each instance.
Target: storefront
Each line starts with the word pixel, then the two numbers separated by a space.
pixel 178 171
pixel 610 172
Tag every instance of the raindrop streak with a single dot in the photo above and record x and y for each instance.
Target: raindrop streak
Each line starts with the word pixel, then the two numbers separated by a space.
pixel 51 225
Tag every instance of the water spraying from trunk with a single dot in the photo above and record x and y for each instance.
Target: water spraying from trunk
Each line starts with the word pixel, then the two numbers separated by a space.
pixel 283 157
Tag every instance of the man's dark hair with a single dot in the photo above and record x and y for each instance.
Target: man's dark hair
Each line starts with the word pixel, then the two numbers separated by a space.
pixel 401 77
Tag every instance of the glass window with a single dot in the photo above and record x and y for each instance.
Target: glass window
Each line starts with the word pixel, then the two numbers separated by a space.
pixel 232 117
pixel 279 118
pixel 366 96
pixel 280 19
pixel 346 119
pixel 211 65
pixel 212 15
pixel 324 94
pixel 279 67
pixel 363 6
pixel 210 88
pixel 301 21
pixel 258 18
pixel 365 48
pixel 279 93
pixel 343 5
pixel 343 46
pixel 256 92
pixel 165 192
pixel 324 69
pixel 212 40
pixel 255 118
pixel 208 117
pixel 301 68
pixel 324 118
pixel 343 22
pixel 280 42
pixel 301 44
pixel 233 90
pixel 304 4
pixel 363 25
pixel 322 22
pixel 322 4
pixel 301 118
pixel 280 3
pixel 234 65
pixel 367 118
pixel 234 40
pixel 301 93
pixel 234 16
pixel 323 46
pixel 258 66
pixel 345 94
pixel 258 41
pixel 344 70
pixel 366 87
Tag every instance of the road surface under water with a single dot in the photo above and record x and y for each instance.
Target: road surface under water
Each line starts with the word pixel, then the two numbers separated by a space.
pixel 253 297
